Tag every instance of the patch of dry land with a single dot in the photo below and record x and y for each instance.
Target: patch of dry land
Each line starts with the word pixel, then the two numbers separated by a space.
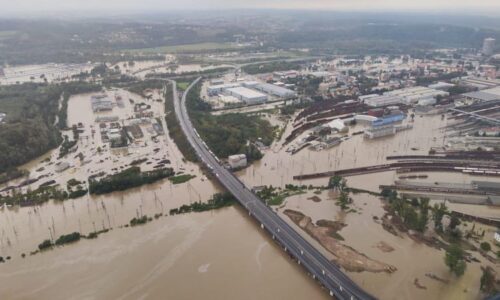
pixel 346 257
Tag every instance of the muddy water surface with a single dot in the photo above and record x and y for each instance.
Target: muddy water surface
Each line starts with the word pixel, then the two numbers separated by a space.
pixel 216 255
pixel 412 259
pixel 219 255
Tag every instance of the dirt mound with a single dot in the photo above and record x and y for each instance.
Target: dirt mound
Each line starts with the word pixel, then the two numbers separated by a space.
pixel 334 225
pixel 314 199
pixel 345 256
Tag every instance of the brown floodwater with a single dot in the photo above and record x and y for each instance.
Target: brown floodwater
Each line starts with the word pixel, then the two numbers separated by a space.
pixel 219 254
pixel 216 255
pixel 412 259
pixel 278 167
pixel 22 229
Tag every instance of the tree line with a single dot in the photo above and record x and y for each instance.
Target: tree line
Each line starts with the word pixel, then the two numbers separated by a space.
pixel 228 134
pixel 128 178
pixel 30 129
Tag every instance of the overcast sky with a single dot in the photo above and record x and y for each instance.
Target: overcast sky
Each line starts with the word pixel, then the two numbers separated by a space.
pixel 17 7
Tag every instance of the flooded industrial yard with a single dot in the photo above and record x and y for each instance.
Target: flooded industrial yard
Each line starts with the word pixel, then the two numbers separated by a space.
pixel 364 231
pixel 172 256
pixel 40 73
pixel 278 167
pixel 169 65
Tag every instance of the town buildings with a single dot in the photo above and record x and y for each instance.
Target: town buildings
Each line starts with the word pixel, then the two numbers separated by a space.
pixel 101 103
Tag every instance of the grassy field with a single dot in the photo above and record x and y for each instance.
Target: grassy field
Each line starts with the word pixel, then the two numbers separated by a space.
pixel 181 178
pixel 182 85
pixel 187 48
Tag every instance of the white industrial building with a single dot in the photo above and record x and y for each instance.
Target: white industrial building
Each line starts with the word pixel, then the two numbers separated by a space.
pixel 443 86
pixel 337 124
pixel 480 83
pixel 427 101
pixel 484 95
pixel 280 75
pixel 380 131
pixel 275 90
pixel 364 118
pixel 246 95
pixel 250 84
pixel 406 96
pixel 237 161
pixel 214 90
pixel 380 101
pixel 250 92
pixel 414 94
pixel 101 103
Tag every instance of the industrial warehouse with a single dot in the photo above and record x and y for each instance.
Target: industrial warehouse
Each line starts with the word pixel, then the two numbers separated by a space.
pixel 414 95
pixel 244 92
pixel 491 94
pixel 246 95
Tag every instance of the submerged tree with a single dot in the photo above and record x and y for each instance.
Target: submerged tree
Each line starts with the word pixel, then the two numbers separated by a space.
pixel 438 212
pixel 337 183
pixel 454 259
pixel 488 281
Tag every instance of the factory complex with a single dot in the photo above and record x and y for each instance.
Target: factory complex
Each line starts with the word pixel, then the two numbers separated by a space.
pixel 409 96
pixel 246 95
pixel 491 94
pixel 246 92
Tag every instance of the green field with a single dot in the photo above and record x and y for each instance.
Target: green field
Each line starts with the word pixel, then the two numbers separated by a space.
pixel 182 85
pixel 181 178
pixel 187 48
